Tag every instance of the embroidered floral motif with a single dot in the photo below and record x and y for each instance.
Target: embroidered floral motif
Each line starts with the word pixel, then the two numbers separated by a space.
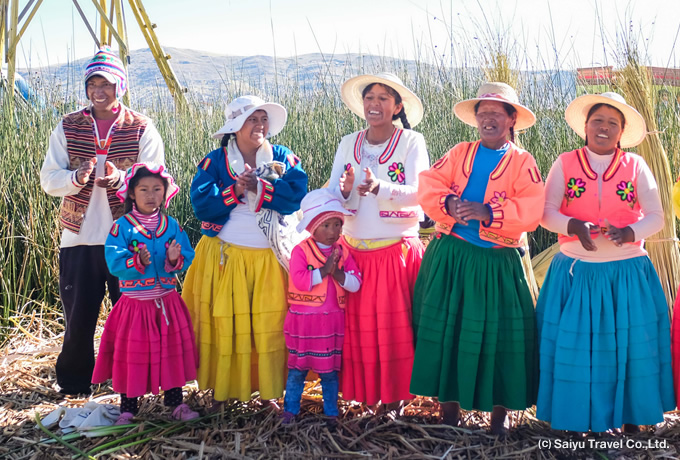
pixel 136 246
pixel 348 166
pixel 167 243
pixel 575 187
pixel 499 197
pixel 396 172
pixel 454 189
pixel 626 191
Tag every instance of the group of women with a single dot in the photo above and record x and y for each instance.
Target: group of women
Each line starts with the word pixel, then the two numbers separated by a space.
pixel 457 323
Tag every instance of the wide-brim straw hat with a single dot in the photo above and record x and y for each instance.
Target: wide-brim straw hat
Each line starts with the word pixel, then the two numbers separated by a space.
pixel 351 95
pixel 172 190
pixel 498 92
pixel 238 111
pixel 634 129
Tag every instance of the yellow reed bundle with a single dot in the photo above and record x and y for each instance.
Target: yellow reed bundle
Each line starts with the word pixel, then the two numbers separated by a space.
pixel 497 68
pixel 635 84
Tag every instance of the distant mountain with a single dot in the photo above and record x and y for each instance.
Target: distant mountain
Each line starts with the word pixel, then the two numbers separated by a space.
pixel 208 75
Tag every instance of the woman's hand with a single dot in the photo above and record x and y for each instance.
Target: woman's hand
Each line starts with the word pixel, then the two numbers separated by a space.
pixel 469 210
pixel 618 236
pixel 110 178
pixel 84 171
pixel 369 185
pixel 582 230
pixel 173 252
pixel 346 182
pixel 145 256
pixel 246 181
pixel 452 203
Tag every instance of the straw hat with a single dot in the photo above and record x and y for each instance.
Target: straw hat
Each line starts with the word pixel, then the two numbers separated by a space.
pixel 238 111
pixel 634 130
pixel 351 95
pixel 154 168
pixel 318 206
pixel 498 92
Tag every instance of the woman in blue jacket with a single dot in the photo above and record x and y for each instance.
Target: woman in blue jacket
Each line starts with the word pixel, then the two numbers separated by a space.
pixel 236 289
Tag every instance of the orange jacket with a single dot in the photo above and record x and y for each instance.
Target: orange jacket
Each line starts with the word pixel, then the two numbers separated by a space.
pixel 317 295
pixel 514 192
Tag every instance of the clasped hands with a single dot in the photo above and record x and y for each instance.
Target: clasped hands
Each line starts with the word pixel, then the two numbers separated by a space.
pixel 583 229
pixel 331 267
pixel 172 253
pixel 463 210
pixel 87 168
pixel 247 180
pixel 371 184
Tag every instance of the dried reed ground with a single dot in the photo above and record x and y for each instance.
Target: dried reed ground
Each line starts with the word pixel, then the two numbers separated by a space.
pixel 246 430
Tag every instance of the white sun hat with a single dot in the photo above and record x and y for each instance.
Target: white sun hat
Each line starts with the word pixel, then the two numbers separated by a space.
pixel 498 92
pixel 634 130
pixel 317 202
pixel 351 95
pixel 238 111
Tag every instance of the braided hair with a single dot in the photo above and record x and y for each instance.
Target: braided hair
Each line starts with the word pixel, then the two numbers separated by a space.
pixel 509 109
pixel 397 100
pixel 225 139
pixel 595 107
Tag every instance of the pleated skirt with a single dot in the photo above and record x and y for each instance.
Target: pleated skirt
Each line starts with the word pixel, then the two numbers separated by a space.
pixel 604 336
pixel 237 300
pixel 147 346
pixel 378 351
pixel 475 327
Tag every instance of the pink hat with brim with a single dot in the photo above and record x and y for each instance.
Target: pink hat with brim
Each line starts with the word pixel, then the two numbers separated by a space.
pixel 318 202
pixel 154 168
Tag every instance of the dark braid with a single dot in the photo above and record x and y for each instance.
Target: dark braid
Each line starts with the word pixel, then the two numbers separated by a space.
pixel 225 139
pixel 397 100
pixel 512 134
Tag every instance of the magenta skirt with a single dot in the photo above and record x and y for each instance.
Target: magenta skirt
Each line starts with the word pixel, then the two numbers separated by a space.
pixel 147 346
pixel 314 337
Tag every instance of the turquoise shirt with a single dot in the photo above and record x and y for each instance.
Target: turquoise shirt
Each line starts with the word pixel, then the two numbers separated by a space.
pixel 485 162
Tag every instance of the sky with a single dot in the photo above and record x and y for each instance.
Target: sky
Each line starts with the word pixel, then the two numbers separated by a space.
pixel 541 33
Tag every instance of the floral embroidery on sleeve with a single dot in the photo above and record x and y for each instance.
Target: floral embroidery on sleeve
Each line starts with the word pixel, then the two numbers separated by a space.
pixel 499 197
pixel 575 187
pixel 396 172
pixel 626 191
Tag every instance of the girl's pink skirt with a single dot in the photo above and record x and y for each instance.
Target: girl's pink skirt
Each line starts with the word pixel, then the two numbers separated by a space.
pixel 147 345
pixel 377 357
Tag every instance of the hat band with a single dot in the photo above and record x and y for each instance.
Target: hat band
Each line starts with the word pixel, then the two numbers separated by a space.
pixel 494 95
pixel 241 111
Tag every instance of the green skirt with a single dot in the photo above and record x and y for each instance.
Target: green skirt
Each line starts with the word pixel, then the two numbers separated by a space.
pixel 475 328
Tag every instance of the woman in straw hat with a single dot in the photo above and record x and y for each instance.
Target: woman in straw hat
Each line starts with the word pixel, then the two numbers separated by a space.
pixel 602 315
pixel 473 312
pixel 89 152
pixel 236 289
pixel 375 173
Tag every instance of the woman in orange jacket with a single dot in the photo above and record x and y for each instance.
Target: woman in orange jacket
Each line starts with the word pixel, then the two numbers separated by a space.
pixel 473 312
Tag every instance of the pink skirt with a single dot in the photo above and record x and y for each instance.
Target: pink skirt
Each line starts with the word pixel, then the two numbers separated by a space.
pixel 314 337
pixel 378 353
pixel 146 346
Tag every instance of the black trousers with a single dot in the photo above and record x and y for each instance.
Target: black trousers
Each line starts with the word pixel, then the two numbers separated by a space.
pixel 83 278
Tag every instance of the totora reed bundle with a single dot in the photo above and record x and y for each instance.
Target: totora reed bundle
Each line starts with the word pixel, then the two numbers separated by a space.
pixel 635 83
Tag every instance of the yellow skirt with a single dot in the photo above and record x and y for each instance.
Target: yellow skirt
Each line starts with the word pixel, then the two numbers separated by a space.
pixel 237 300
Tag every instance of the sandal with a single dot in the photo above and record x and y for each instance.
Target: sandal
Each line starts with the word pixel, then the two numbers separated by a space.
pixel 124 419
pixel 183 413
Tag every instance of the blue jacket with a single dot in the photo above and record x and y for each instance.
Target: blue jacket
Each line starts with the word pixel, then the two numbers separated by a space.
pixel 125 238
pixel 212 190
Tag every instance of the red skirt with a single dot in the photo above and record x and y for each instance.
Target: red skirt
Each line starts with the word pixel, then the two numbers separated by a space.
pixel 377 357
pixel 146 346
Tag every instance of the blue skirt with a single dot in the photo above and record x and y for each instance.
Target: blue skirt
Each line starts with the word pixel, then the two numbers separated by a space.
pixel 604 345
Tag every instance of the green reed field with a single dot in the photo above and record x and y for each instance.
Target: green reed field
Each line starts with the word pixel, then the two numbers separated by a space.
pixel 29 228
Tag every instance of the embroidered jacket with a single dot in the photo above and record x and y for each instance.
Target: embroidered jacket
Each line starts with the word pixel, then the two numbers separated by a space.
pixel 213 194
pixel 317 295
pixel 618 203
pixel 80 145
pixel 128 236
pixel 390 169
pixel 514 192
